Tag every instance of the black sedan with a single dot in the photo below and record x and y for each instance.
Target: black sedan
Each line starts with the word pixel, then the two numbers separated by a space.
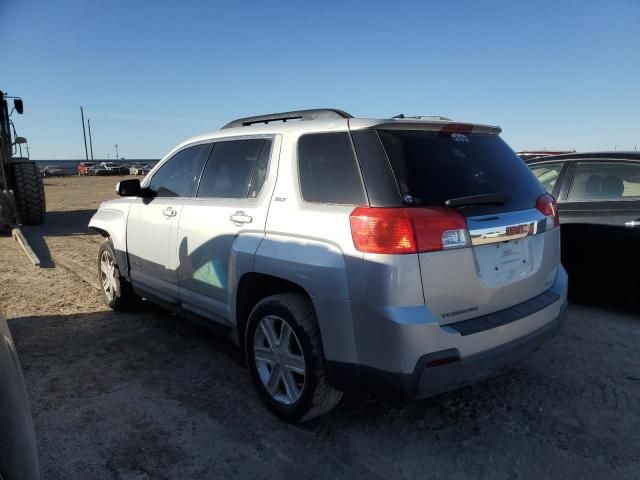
pixel 98 170
pixel 52 171
pixel 599 204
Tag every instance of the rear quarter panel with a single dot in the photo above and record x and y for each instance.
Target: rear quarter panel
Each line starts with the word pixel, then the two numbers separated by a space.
pixel 310 244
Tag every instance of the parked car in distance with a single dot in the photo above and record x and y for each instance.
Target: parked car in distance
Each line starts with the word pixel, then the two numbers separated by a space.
pixel 124 169
pixel 598 198
pixel 139 169
pixel 18 452
pixel 83 168
pixel 99 170
pixel 52 171
pixel 404 255
pixel 111 167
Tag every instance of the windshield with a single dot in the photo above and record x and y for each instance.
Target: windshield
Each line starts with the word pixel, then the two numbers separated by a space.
pixel 433 167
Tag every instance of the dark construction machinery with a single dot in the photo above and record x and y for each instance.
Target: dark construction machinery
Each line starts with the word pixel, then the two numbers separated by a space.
pixel 21 189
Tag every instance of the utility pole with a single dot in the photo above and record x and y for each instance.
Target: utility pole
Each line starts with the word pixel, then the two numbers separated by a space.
pixel 84 135
pixel 117 156
pixel 108 157
pixel 90 139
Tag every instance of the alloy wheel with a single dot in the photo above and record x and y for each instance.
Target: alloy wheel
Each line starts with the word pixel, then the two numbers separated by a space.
pixel 279 359
pixel 108 274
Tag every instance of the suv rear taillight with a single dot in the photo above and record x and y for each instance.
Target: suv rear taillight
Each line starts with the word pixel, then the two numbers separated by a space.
pixel 547 205
pixel 407 230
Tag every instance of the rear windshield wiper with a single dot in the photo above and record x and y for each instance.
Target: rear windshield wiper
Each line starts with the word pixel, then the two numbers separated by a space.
pixel 486 199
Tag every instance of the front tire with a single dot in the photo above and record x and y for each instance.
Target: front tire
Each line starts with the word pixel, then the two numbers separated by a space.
pixel 286 359
pixel 116 290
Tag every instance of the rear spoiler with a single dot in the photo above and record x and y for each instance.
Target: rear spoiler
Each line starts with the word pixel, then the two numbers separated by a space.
pixel 437 126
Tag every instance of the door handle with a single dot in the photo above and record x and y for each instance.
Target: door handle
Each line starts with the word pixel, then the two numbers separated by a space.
pixel 240 218
pixel 633 223
pixel 169 212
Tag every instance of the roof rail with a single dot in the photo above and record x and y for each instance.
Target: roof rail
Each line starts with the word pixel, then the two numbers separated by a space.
pixel 313 114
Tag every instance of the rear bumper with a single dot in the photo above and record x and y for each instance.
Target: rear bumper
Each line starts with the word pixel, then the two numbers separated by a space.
pixel 430 379
pixel 405 351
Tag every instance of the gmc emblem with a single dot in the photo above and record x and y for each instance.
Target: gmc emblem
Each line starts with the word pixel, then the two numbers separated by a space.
pixel 518 230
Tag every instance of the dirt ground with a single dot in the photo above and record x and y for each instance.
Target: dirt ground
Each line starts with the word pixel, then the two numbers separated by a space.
pixel 145 395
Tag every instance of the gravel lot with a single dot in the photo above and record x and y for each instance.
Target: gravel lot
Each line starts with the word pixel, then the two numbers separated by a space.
pixel 145 395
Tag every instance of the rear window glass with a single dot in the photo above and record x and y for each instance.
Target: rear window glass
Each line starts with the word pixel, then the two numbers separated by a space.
pixel 432 167
pixel 605 181
pixel 328 170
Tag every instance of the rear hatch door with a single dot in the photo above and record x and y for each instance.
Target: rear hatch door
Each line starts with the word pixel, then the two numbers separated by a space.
pixel 514 250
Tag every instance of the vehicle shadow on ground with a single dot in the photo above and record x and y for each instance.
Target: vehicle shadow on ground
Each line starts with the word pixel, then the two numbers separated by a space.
pixel 57 224
pixel 118 394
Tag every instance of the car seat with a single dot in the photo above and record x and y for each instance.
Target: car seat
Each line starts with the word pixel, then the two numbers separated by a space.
pixel 612 187
pixel 593 187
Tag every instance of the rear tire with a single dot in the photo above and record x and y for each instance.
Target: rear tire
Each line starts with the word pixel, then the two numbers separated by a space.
pixel 116 290
pixel 298 365
pixel 29 193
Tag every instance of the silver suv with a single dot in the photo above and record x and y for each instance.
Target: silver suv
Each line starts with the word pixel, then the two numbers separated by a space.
pixel 410 255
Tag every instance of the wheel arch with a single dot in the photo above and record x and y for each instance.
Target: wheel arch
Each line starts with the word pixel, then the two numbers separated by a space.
pixel 111 224
pixel 253 287
pixel 334 317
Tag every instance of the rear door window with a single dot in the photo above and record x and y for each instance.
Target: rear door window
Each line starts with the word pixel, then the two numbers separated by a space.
pixel 432 167
pixel 605 181
pixel 328 170
pixel 235 169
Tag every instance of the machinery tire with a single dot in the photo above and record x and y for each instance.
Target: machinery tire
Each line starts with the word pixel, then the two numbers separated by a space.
pixel 29 193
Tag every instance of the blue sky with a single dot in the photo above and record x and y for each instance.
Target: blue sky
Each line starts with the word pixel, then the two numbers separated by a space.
pixel 553 74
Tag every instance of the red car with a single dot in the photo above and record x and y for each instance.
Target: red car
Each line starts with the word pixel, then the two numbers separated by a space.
pixel 83 168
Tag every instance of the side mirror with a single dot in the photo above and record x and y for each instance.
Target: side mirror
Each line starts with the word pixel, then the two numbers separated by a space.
pixel 129 188
pixel 20 141
pixel 17 104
